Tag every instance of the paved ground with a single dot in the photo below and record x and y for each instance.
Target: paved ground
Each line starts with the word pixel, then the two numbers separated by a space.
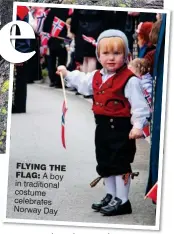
pixel 35 138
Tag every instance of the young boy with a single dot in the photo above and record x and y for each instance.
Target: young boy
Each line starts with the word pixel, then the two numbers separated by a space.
pixel 141 68
pixel 120 112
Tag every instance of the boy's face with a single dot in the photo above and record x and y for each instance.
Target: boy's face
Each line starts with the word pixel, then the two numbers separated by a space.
pixel 111 59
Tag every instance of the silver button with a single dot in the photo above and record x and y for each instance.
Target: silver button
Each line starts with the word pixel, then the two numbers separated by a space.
pixel 101 104
pixel 103 91
pixel 112 126
pixel 96 103
pixel 115 102
pixel 111 120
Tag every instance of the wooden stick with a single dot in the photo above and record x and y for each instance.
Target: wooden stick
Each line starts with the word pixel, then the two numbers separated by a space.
pixel 63 87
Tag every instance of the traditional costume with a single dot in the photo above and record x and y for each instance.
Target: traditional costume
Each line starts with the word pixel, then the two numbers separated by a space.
pixel 118 106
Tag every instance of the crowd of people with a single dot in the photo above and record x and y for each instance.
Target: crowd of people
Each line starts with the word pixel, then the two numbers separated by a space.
pixel 109 56
pixel 70 48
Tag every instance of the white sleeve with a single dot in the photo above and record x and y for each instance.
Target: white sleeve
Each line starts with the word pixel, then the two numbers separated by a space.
pixel 139 108
pixel 81 81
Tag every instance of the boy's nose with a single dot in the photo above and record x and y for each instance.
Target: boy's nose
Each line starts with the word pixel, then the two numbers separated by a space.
pixel 111 56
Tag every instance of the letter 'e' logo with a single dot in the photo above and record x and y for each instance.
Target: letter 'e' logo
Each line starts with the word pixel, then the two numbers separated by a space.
pixel 7 50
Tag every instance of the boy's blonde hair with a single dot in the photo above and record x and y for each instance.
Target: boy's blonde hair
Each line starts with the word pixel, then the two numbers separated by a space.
pixel 141 65
pixel 108 44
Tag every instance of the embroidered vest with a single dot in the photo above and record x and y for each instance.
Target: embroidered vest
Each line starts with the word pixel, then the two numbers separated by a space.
pixel 109 97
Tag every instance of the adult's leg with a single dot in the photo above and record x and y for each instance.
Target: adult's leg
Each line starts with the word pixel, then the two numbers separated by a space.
pixel 91 64
pixel 62 60
pixel 20 89
pixel 84 67
pixel 51 65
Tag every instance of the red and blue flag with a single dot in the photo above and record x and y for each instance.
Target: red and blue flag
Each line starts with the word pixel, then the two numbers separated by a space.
pixel 41 16
pixel 90 40
pixel 43 50
pixel 44 37
pixel 57 27
pixel 64 109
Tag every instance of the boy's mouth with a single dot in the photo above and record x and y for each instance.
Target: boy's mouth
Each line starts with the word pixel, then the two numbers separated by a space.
pixel 111 64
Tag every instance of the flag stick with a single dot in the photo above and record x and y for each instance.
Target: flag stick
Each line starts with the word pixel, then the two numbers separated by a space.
pixel 63 87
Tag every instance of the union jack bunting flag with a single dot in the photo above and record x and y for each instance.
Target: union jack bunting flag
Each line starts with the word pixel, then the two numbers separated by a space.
pixel 44 37
pixel 57 27
pixel 90 40
pixel 64 109
pixel 41 16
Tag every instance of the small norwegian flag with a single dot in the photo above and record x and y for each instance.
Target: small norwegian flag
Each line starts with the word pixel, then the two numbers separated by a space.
pixel 146 130
pixel 64 110
pixel 90 40
pixel 44 37
pixel 57 27
pixel 43 50
pixel 152 194
pixel 41 16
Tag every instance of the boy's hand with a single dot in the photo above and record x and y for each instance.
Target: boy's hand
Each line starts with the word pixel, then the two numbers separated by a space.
pixel 63 70
pixel 135 133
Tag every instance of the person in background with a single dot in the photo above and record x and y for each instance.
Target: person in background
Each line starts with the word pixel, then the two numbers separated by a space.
pixel 133 19
pixel 144 43
pixel 57 50
pixel 153 38
pixel 21 70
pixel 141 68
pixel 71 65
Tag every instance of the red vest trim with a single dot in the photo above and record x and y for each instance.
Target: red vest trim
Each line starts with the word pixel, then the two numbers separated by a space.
pixel 109 97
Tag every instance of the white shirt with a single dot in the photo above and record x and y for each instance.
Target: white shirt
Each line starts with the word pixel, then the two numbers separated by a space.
pixel 139 108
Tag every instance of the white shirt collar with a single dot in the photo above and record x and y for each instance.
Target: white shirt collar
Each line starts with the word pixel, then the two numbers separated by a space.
pixel 104 72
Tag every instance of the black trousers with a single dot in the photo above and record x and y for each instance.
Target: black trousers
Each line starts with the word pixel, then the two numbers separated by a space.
pixel 114 151
pixel 35 72
pixel 20 89
pixel 58 54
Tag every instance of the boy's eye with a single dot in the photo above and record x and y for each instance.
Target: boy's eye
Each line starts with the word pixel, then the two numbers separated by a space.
pixel 105 52
pixel 117 52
